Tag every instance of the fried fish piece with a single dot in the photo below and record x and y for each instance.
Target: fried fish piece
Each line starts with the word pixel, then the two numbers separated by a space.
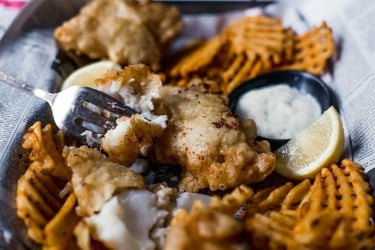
pixel 137 87
pixel 125 31
pixel 164 21
pixel 130 138
pixel 95 179
pixel 215 149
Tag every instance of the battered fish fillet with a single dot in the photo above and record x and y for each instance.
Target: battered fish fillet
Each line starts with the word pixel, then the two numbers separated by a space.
pixel 95 179
pixel 125 31
pixel 130 138
pixel 214 148
pixel 137 87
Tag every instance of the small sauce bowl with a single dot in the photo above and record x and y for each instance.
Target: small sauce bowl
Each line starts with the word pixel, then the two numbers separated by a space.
pixel 302 81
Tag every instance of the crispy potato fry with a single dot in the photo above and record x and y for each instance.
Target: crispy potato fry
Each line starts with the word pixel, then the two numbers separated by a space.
pixel 268 199
pixel 44 153
pixel 232 202
pixel 333 213
pixel 37 195
pixel 272 230
pixel 59 231
pixel 177 61
pixel 200 57
pixel 294 198
pixel 260 35
pixel 288 46
pixel 249 68
pixel 312 50
pixel 249 47
pixel 339 199
pixel 326 228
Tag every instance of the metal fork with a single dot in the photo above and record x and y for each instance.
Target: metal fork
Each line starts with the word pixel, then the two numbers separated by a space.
pixel 82 113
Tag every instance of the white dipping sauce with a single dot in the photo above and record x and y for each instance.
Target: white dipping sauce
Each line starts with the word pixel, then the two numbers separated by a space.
pixel 279 111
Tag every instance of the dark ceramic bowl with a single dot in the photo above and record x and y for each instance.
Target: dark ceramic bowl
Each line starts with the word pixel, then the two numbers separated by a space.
pixel 301 80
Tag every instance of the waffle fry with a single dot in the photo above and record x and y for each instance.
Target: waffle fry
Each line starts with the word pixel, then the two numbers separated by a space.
pixel 44 151
pixel 59 231
pixel 312 50
pixel 260 35
pixel 285 197
pixel 199 57
pixel 37 195
pixel 339 199
pixel 249 47
pixel 288 45
pixel 243 67
pixel 333 213
pixel 232 202
pixel 35 203
pixel 272 230
pixel 295 197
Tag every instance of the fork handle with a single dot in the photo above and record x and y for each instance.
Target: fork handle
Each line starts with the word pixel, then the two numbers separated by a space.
pixel 48 97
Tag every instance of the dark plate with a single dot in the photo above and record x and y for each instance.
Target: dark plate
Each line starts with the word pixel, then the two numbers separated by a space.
pixel 28 52
pixel 301 80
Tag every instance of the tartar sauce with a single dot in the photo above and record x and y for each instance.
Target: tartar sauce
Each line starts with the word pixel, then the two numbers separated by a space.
pixel 279 111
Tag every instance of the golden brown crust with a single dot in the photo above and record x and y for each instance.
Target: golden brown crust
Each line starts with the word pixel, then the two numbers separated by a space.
pixel 137 87
pixel 95 179
pixel 125 31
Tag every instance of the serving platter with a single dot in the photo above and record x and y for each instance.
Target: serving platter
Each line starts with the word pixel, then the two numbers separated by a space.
pixel 28 52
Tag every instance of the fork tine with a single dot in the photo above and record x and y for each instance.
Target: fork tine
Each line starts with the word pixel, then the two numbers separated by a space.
pixel 81 134
pixel 94 118
pixel 107 102
pixel 86 114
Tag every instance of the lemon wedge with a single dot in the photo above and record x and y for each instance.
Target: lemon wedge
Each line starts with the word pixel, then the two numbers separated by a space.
pixel 315 147
pixel 86 75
